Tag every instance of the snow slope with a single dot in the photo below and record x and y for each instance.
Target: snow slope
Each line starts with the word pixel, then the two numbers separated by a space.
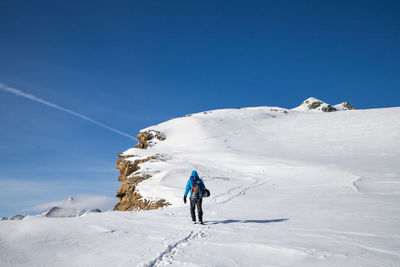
pixel 288 188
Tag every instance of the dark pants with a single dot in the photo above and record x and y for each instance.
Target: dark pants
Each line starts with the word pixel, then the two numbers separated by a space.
pixel 196 203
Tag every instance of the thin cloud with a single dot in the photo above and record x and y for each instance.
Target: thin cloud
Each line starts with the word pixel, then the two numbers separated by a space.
pixel 81 201
pixel 43 191
pixel 17 92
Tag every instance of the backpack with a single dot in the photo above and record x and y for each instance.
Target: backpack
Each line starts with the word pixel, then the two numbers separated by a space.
pixel 196 184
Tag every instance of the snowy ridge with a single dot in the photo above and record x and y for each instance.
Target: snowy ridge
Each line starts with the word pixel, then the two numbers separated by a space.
pixel 288 188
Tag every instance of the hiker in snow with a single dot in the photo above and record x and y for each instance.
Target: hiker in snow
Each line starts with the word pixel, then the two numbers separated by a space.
pixel 196 186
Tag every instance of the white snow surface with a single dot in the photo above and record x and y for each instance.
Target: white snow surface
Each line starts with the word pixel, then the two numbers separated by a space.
pixel 288 188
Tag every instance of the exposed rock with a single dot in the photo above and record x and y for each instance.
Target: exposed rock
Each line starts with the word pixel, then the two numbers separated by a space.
pixel 13 218
pixel 280 110
pixel 348 105
pixel 314 104
pixel 60 212
pixel 344 106
pixel 16 218
pixel 127 167
pixel 130 177
pixel 84 212
pixel 328 108
pixel 146 138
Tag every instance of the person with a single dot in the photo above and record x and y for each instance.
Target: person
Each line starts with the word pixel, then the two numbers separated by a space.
pixel 196 186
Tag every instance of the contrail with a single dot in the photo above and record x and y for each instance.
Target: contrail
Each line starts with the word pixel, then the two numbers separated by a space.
pixel 47 103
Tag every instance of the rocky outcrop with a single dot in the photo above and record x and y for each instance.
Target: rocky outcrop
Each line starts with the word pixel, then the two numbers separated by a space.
pixel 60 212
pixel 13 218
pixel 328 108
pixel 344 106
pixel 314 104
pixel 130 176
pixel 147 138
pixel 16 218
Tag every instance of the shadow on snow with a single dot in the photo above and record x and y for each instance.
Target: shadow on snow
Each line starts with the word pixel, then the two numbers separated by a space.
pixel 246 221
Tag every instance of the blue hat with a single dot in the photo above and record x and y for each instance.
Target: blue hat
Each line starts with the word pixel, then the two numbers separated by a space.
pixel 194 173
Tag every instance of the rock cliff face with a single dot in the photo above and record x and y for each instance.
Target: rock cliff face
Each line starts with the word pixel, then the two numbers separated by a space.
pixel 130 176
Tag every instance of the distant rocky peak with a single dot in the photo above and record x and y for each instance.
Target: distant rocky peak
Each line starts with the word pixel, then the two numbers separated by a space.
pixel 314 104
pixel 311 100
pixel 345 106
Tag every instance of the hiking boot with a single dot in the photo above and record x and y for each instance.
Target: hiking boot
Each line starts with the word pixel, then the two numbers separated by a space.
pixel 201 222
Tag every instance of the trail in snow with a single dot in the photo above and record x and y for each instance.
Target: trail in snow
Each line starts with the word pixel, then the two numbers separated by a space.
pixel 167 256
pixel 235 192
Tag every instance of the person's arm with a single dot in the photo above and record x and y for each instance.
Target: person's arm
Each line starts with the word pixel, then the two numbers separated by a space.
pixel 186 191
pixel 187 188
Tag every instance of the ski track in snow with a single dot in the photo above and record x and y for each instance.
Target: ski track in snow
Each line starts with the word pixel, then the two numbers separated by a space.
pixel 379 250
pixel 356 184
pixel 241 192
pixel 167 256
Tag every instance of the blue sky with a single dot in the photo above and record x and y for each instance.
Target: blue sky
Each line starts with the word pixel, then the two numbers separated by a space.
pixel 132 64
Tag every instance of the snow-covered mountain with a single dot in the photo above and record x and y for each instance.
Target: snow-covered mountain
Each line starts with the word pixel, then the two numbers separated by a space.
pixel 288 188
pixel 69 208
pixel 314 104
pixel 79 205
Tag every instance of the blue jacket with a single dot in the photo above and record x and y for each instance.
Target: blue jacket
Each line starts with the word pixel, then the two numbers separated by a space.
pixel 189 184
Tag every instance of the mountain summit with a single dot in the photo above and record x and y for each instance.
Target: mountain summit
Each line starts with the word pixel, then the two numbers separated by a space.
pixel 314 104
